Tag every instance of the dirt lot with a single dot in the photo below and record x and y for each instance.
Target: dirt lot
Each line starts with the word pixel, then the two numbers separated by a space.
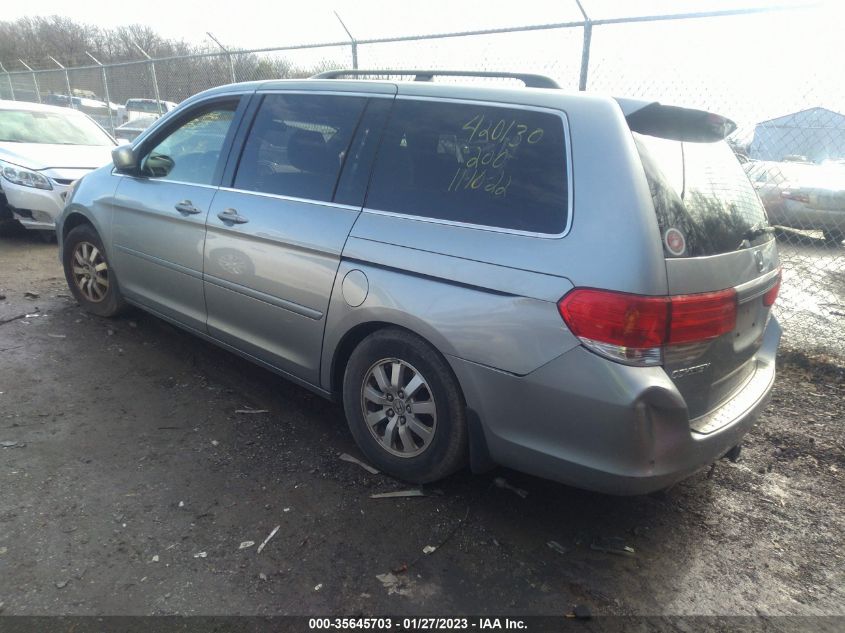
pixel 128 481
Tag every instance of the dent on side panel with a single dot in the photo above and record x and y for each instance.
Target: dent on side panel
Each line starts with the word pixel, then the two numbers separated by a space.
pixel 613 243
pixel 513 333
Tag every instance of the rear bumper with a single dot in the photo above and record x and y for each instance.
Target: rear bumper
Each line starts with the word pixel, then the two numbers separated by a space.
pixel 591 423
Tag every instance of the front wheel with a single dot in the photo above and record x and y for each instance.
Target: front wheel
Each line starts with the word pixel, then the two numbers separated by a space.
pixel 404 407
pixel 88 274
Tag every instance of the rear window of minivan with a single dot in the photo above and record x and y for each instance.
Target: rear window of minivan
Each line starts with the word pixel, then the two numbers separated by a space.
pixel 704 202
pixel 481 165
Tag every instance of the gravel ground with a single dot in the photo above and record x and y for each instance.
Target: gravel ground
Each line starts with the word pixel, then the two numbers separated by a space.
pixel 811 306
pixel 130 484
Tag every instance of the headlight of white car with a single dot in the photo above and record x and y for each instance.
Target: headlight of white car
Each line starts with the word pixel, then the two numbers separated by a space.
pixel 24 177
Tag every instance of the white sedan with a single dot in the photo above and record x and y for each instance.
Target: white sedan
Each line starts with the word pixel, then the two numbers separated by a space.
pixel 43 150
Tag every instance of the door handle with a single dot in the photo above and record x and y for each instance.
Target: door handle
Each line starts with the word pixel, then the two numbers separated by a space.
pixel 187 207
pixel 232 216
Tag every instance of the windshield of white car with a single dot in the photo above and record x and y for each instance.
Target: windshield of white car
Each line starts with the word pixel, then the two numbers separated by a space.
pixel 26 126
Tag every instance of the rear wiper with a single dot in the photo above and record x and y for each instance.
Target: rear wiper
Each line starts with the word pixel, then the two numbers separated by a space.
pixel 753 232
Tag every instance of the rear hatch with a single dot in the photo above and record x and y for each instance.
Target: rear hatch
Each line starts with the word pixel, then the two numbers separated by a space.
pixel 715 237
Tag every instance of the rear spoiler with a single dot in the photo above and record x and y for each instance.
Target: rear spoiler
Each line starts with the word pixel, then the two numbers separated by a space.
pixel 674 123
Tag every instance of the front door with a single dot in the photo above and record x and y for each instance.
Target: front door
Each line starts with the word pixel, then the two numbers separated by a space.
pixel 159 220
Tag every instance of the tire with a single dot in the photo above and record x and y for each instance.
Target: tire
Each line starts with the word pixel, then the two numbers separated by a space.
pixel 96 291
pixel 436 405
pixel 834 237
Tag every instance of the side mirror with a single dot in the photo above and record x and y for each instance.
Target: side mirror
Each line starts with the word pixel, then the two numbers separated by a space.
pixel 124 159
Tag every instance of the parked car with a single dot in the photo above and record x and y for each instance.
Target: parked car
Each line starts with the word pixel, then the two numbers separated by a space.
pixel 131 129
pixel 43 150
pixel 802 195
pixel 137 108
pixel 515 276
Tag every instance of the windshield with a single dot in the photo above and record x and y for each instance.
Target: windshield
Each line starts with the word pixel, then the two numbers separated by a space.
pixel 23 126
pixel 704 203
pixel 145 106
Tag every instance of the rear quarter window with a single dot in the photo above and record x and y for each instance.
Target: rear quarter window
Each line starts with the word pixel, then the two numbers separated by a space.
pixel 482 165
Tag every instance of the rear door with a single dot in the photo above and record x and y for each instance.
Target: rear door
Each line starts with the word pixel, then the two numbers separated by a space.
pixel 276 234
pixel 715 236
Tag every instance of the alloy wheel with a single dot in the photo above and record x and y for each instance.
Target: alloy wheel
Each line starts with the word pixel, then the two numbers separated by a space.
pixel 90 272
pixel 398 407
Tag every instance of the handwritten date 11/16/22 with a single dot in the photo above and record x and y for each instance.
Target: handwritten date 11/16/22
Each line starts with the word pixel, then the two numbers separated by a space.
pixel 511 134
pixel 469 179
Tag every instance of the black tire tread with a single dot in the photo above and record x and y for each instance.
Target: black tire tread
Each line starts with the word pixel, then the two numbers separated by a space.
pixel 447 453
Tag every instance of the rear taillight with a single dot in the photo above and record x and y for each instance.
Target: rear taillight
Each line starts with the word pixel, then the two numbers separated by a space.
pixel 772 293
pixel 634 329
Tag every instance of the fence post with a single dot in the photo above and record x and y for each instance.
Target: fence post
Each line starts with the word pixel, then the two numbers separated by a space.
pixel 9 79
pixel 105 90
pixel 34 80
pixel 67 81
pixel 153 75
pixel 352 40
pixel 585 50
pixel 228 54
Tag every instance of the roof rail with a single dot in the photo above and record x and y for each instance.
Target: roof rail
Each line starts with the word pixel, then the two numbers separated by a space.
pixel 530 80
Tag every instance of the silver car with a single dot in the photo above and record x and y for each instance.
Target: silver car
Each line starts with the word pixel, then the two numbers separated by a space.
pixel 571 285
pixel 802 195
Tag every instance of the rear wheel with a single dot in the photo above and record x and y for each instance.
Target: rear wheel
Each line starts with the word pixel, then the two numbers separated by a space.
pixel 88 273
pixel 404 407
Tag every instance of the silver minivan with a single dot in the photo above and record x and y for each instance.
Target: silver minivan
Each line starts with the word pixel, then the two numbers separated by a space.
pixel 571 285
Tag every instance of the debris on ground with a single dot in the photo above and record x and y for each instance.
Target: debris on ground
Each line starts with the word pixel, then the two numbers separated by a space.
pixel 31 294
pixel 580 612
pixel 346 457
pixel 318 587
pixel 181 504
pixel 429 549
pixel 395 584
pixel 560 549
pixel 57 335
pixel 154 559
pixel 262 576
pixel 11 444
pixel 61 584
pixel 247 411
pixel 413 492
pixel 201 555
pixel 501 482
pixel 613 545
pixel 246 544
pixel 12 318
pixel 215 443
pixel 267 540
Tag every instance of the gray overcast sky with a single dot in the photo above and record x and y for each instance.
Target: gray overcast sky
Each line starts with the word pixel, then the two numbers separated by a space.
pixel 259 23
pixel 750 68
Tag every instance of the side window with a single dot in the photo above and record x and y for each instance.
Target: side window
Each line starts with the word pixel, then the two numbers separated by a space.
pixel 297 145
pixel 190 153
pixel 485 165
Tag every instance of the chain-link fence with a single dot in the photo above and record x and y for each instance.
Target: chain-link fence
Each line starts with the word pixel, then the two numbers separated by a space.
pixel 773 71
